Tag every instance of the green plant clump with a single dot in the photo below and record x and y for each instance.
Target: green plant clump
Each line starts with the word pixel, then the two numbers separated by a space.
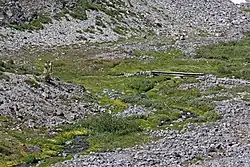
pixel 245 10
pixel 36 24
pixel 111 124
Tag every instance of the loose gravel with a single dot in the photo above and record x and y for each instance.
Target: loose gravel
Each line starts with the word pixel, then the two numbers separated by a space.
pixel 35 104
pixel 211 81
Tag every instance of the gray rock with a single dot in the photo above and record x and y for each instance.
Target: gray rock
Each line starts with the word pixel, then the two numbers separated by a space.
pixel 48 105
pixel 134 110
pixel 220 20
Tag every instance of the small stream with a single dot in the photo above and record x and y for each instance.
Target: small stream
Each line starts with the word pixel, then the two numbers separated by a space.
pixel 77 145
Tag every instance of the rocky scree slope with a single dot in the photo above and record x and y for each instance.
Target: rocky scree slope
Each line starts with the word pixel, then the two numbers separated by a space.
pixel 34 104
pixel 102 21
pixel 19 12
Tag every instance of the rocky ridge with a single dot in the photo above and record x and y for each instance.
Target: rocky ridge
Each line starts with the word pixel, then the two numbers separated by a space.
pixel 36 104
pixel 19 12
pixel 179 20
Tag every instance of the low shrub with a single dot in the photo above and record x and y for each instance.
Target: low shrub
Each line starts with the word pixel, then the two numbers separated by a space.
pixel 141 84
pixel 111 124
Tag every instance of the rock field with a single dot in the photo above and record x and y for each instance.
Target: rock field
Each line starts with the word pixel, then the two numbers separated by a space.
pixel 181 19
pixel 36 104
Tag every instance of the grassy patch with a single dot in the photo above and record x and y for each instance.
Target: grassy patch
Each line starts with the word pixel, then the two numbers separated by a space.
pixel 246 97
pixel 61 14
pixel 106 123
pixel 4 76
pixel 114 105
pixel 32 146
pixel 110 132
pixel 120 30
pixel 79 10
pixel 141 85
pixel 36 24
pixel 159 94
pixel 245 11
pixel 12 67
pixel 232 58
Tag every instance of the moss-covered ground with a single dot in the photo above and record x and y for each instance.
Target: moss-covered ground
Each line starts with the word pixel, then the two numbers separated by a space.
pixel 160 95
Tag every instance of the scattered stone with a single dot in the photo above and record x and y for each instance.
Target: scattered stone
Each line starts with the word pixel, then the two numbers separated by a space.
pixel 48 105
pixel 134 110
pixel 211 81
